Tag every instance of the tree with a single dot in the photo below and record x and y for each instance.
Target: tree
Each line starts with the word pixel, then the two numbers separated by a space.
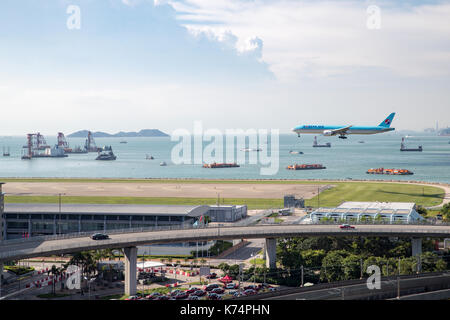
pixel 332 266
pixel 312 258
pixel 352 266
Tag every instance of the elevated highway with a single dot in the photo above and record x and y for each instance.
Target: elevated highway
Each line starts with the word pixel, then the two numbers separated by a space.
pixel 14 250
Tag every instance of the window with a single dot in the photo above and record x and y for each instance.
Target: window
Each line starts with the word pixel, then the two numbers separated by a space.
pixel 86 217
pixel 150 218
pixel 136 218
pixel 36 216
pixel 124 217
pixel 111 217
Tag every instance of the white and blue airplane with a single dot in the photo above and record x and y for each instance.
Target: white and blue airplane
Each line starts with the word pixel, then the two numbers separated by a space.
pixel 342 131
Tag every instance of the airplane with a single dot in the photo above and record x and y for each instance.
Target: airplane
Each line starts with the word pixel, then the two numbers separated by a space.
pixel 342 131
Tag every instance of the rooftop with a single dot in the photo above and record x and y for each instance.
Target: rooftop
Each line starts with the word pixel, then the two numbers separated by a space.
pixel 132 209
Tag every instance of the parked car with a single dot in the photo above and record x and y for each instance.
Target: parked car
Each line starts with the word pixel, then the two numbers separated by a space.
pixel 251 286
pixel 214 296
pixel 211 286
pixel 346 226
pixel 191 297
pixel 192 290
pixel 212 275
pixel 199 293
pixel 218 290
pixel 162 297
pixel 99 236
pixel 181 295
pixel 231 285
pixel 132 298
pixel 249 292
pixel 175 292
pixel 153 295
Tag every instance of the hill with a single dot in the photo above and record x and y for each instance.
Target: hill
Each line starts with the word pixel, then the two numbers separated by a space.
pixel 99 134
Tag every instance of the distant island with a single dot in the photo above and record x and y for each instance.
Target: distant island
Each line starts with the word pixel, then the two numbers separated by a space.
pixel 99 134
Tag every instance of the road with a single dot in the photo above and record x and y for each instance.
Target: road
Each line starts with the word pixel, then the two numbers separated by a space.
pixel 33 248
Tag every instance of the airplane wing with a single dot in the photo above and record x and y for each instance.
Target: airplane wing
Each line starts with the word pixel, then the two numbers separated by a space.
pixel 340 130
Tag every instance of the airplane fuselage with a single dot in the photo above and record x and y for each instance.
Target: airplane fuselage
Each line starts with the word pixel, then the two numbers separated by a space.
pixel 319 129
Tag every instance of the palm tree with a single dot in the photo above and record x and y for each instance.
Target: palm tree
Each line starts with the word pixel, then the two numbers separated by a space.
pixel 55 272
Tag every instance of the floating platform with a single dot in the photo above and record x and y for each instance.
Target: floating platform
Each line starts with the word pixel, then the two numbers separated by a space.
pixel 316 145
pixel 220 165
pixel 305 167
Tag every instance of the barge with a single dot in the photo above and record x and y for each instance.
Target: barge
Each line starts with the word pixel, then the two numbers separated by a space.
pixel 305 167
pixel 400 172
pixel 220 165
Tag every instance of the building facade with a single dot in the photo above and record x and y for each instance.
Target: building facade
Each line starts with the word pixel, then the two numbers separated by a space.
pixel 392 212
pixel 23 220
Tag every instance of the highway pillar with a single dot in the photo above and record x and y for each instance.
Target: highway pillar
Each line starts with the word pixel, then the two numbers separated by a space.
pixel 271 253
pixel 416 246
pixel 130 270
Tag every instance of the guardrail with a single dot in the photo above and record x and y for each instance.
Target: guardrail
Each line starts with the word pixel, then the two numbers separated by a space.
pixel 191 227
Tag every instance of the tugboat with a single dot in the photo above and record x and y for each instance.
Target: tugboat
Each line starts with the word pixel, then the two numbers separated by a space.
pixel 106 154
pixel 295 152
pixel 163 164
pixel 147 157
pixel 6 152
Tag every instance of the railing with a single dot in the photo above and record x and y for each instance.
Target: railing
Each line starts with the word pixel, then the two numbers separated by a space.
pixel 214 226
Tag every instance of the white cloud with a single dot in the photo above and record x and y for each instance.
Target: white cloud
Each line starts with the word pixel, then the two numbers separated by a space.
pixel 323 38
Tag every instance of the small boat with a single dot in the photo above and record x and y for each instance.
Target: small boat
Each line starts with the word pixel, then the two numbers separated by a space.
pixel 123 142
pixel 361 141
pixel 147 157
pixel 250 149
pixel 106 154
pixel 295 152
pixel 163 164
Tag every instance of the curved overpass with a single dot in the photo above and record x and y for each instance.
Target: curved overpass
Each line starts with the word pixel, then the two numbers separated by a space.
pixel 31 248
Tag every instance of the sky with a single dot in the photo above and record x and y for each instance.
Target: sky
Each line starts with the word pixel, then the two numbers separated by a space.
pixel 263 64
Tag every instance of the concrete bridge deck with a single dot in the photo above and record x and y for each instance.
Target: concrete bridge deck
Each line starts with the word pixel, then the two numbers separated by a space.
pixel 32 248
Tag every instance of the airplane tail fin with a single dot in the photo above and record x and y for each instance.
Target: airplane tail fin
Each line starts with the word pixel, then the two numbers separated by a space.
pixel 387 122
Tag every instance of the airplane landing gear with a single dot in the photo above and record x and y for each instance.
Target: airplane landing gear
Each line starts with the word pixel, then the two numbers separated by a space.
pixel 342 137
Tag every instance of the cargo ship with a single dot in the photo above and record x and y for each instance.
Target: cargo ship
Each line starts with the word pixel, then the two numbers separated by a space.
pixel 404 148
pixel 316 145
pixel 220 165
pixel 305 167
pixel 401 172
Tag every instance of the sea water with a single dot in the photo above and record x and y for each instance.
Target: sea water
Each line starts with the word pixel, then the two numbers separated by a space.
pixel 345 159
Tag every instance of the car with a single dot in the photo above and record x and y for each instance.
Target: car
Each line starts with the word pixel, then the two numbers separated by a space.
pixel 199 293
pixel 163 297
pixel 231 285
pixel 218 290
pixel 191 297
pixel 132 298
pixel 212 275
pixel 209 287
pixel 214 296
pixel 99 236
pixel 175 292
pixel 181 295
pixel 249 292
pixel 192 290
pixel 153 295
pixel 252 287
pixel 346 226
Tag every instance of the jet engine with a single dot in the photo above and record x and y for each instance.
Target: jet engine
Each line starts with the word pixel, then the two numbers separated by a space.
pixel 327 133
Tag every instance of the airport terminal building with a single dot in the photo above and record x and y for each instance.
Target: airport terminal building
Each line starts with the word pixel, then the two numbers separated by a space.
pixel 391 212
pixel 47 219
